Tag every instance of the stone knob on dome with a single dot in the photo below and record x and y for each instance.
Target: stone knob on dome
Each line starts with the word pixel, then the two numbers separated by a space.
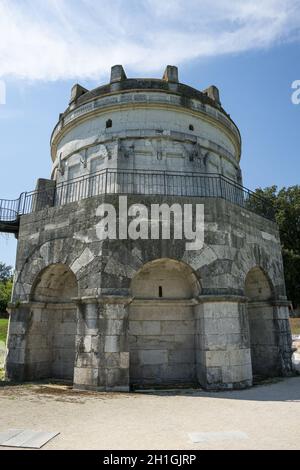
pixel 171 74
pixel 117 74
pixel 76 91
pixel 213 93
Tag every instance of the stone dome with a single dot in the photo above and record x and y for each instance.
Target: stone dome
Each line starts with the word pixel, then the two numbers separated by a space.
pixel 145 124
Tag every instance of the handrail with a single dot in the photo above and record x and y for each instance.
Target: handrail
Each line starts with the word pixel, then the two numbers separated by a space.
pixel 143 182
pixel 9 209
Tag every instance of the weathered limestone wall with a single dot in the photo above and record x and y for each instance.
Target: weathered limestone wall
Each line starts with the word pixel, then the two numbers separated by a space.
pixel 145 124
pixel 175 148
pixel 62 338
pixel 264 351
pixel 283 336
pixel 223 337
pixel 162 324
pixel 16 361
pixel 113 313
pixel 236 241
pixel 102 356
pixel 49 347
pixel 162 342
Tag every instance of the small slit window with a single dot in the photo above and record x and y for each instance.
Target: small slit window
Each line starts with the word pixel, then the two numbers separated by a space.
pixel 160 293
pixel 108 123
pixel 191 127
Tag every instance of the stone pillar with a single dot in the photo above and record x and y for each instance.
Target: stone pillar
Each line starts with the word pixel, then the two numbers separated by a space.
pixel 213 93
pixel 117 74
pixel 223 347
pixel 283 336
pixel 264 351
pixel 102 354
pixel 19 321
pixel 270 337
pixel 44 194
pixel 171 74
pixel 77 91
pixel 200 356
pixel 31 342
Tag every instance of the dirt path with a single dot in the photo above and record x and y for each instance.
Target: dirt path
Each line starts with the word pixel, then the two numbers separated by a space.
pixel 263 417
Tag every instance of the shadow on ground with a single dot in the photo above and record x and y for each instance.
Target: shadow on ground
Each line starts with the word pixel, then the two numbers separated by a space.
pixel 275 389
pixel 271 389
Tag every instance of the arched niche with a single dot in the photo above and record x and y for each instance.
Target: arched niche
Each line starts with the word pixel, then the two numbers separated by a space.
pixel 263 344
pixel 257 285
pixel 162 325
pixel 51 337
pixel 165 278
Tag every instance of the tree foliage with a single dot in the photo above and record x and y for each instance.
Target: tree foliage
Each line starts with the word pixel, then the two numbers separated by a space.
pixel 5 294
pixel 5 272
pixel 286 204
pixel 5 285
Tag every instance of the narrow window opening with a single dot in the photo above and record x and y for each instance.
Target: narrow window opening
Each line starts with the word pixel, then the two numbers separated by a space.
pixel 159 291
pixel 191 127
pixel 108 123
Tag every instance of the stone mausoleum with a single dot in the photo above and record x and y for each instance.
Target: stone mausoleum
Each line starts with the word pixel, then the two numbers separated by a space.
pixel 119 314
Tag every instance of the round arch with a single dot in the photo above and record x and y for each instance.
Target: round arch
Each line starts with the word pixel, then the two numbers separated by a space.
pixel 51 337
pixel 258 286
pixel 162 324
pixel 55 283
pixel 165 278
pixel 259 291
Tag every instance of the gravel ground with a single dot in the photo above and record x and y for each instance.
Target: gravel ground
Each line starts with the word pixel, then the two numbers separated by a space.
pixel 263 417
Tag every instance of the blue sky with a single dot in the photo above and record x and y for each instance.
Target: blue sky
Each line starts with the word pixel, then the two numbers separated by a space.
pixel 249 49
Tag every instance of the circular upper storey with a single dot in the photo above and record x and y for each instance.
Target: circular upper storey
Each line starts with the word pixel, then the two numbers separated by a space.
pixel 145 124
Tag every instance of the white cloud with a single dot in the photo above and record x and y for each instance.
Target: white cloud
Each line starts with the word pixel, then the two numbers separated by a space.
pixel 61 39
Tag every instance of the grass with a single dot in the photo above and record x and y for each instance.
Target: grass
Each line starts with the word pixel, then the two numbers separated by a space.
pixel 295 326
pixel 3 329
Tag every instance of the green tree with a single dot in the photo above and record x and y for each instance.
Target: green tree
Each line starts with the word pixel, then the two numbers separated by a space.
pixel 5 272
pixel 5 285
pixel 286 204
pixel 5 294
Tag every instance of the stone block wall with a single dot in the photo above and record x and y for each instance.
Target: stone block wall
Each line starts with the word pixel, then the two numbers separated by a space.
pixel 162 343
pixel 235 242
pixel 47 348
pixel 223 339
pixel 102 360
pixel 264 351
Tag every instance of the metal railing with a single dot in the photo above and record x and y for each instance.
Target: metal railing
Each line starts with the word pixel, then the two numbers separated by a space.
pixel 143 182
pixel 9 209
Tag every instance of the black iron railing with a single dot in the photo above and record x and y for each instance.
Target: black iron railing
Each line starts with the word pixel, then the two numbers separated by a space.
pixel 9 209
pixel 141 182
